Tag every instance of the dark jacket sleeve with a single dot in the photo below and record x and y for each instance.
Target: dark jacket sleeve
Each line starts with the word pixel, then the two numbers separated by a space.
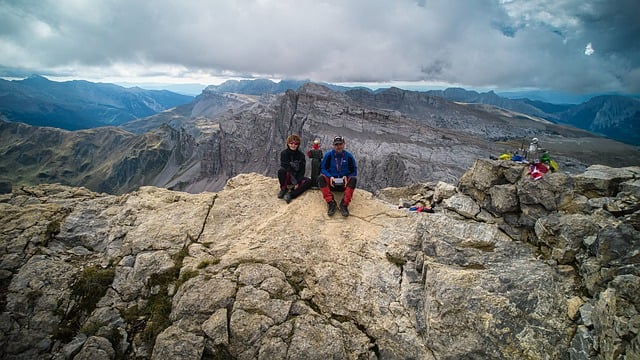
pixel 285 162
pixel 302 167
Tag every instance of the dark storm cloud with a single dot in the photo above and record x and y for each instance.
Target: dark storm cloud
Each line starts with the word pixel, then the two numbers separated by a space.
pixel 614 27
pixel 483 43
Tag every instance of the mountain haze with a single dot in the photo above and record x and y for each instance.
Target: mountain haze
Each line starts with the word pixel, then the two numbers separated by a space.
pixel 617 117
pixel 74 105
pixel 614 116
pixel 524 106
pixel 265 86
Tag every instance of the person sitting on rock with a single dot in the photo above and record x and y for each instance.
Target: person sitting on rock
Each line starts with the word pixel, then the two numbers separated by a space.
pixel 291 173
pixel 339 172
pixel 315 154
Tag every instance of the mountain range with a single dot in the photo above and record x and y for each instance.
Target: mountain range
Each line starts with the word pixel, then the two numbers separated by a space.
pixel 614 116
pixel 399 137
pixel 74 105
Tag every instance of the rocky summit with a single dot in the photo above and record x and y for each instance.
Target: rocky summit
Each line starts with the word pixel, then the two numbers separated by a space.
pixel 505 268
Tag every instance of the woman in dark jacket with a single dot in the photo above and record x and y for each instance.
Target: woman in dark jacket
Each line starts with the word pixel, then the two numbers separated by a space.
pixel 291 173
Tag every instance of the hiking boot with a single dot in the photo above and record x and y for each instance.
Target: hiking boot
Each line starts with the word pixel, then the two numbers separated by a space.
pixel 344 209
pixel 281 193
pixel 287 198
pixel 331 207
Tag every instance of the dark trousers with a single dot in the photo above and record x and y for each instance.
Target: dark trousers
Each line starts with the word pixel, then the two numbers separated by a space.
pixel 284 177
pixel 315 171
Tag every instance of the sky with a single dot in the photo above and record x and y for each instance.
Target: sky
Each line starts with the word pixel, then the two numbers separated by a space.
pixel 573 46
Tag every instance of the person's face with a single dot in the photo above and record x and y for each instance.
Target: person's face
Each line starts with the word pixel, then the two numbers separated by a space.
pixel 338 147
pixel 293 145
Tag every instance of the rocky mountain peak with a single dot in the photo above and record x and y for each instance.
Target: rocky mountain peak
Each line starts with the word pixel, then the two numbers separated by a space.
pixel 311 88
pixel 506 267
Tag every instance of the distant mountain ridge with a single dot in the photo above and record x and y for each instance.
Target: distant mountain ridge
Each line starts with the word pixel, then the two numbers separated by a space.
pixel 78 104
pixel 399 137
pixel 617 117
pixel 265 86
pixel 525 106
pixel 106 159
pixel 614 116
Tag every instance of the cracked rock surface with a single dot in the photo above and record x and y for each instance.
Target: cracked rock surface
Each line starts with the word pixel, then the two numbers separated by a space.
pixel 498 271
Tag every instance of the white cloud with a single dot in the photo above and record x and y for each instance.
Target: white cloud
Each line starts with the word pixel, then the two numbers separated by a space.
pixel 588 50
pixel 499 43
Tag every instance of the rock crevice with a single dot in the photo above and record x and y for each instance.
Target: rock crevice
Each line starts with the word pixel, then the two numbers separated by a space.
pixel 506 267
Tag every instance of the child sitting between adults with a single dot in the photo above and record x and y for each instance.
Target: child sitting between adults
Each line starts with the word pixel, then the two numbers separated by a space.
pixel 315 154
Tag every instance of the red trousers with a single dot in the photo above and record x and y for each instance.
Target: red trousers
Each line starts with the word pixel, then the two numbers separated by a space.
pixel 324 183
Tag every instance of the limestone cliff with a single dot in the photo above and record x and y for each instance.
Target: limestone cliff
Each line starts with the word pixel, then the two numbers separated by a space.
pixel 398 138
pixel 104 159
pixel 506 268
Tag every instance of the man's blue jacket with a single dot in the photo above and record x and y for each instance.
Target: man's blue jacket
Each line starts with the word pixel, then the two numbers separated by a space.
pixel 338 164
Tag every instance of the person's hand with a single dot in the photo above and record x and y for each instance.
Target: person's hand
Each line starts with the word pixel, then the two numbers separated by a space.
pixel 344 180
pixel 333 183
pixel 294 181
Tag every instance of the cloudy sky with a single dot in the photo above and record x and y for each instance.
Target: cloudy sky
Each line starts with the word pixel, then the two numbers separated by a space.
pixel 577 46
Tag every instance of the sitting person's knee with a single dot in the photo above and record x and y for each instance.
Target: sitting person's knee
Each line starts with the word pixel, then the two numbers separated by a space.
pixel 322 181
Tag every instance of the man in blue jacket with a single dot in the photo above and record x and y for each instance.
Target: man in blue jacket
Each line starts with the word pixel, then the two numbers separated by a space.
pixel 338 173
